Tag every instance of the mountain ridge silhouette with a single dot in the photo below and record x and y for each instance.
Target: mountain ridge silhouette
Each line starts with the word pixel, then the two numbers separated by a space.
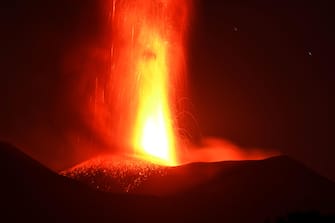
pixel 236 191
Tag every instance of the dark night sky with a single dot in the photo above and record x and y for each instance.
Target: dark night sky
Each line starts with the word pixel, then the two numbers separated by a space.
pixel 260 74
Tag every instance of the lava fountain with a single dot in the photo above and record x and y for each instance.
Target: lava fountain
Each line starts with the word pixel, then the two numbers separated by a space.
pixel 147 64
pixel 147 70
pixel 153 133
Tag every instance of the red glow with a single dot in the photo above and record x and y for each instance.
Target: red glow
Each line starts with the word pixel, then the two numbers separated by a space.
pixel 216 149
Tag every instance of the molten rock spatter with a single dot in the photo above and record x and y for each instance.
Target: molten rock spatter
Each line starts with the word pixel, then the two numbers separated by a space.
pixel 114 174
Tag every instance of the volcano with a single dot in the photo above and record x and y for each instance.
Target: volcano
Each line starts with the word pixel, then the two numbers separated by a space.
pixel 230 191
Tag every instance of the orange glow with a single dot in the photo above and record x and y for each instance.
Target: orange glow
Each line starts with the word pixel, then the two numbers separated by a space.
pixel 149 42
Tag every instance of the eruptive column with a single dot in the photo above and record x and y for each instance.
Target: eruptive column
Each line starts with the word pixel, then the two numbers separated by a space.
pixel 148 61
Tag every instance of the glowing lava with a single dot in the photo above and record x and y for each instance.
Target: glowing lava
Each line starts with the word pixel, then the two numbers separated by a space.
pixel 149 37
pixel 153 130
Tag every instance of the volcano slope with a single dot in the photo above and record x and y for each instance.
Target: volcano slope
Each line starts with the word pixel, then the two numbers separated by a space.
pixel 133 190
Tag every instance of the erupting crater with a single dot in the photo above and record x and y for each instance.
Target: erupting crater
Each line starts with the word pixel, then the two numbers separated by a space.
pixel 147 69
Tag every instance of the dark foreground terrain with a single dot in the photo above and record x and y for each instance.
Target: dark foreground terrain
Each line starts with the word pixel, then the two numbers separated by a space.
pixel 277 189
